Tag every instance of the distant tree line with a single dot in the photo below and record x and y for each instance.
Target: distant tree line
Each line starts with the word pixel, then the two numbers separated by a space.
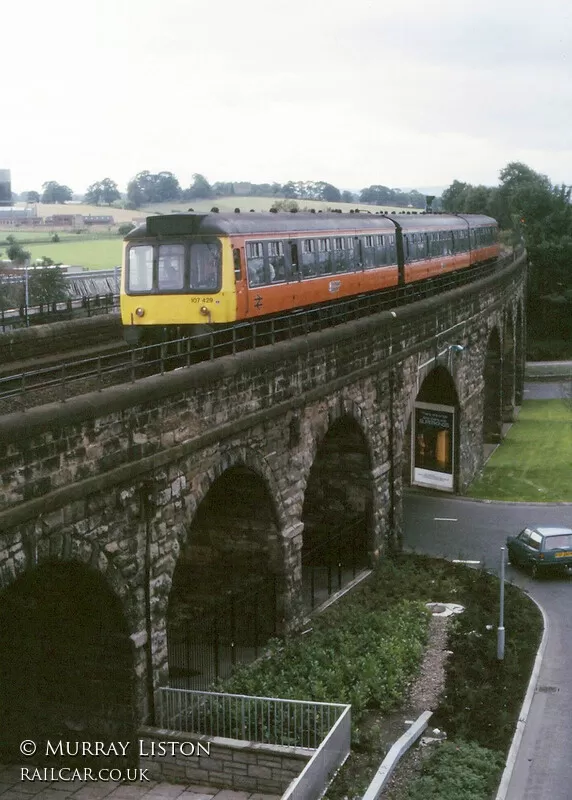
pixel 160 187
pixel 147 188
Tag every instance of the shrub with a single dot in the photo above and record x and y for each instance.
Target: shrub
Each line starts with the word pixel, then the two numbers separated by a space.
pixel 355 656
pixel 125 228
pixel 458 770
pixel 55 237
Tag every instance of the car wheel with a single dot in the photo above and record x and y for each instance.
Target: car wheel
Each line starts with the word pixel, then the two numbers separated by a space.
pixel 534 569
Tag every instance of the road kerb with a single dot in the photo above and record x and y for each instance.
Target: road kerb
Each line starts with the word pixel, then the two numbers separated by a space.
pixel 524 711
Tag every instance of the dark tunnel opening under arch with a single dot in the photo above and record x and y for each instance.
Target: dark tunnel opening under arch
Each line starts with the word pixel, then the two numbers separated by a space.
pixel 337 512
pixel 66 665
pixel 224 602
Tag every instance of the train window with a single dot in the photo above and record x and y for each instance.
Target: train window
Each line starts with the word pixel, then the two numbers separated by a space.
pixel 237 268
pixel 171 267
pixel 341 256
pixel 206 267
pixel 276 262
pixel 255 263
pixel 368 252
pixel 350 243
pixel 379 241
pixel 324 256
pixel 140 269
pixel 309 266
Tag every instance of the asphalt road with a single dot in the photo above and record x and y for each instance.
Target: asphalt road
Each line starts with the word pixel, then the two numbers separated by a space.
pixel 471 530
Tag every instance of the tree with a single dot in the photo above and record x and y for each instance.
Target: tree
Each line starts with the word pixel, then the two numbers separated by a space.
pixel 199 189
pixel 46 286
pixel 32 197
pixel 328 192
pixel 109 191
pixel 104 191
pixel 92 194
pixel 53 192
pixel 284 205
pixel 17 254
pixel 125 228
pixel 348 197
pixel 377 195
pixel 453 197
pixel 147 187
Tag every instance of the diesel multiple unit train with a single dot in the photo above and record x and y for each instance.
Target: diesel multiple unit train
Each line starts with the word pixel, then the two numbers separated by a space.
pixel 193 272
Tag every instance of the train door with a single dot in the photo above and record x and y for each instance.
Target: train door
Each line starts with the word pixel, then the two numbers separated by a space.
pixel 240 282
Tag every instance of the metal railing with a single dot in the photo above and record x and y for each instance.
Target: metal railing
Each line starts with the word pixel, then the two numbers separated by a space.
pixel 267 720
pixel 50 312
pixel 326 761
pixel 231 628
pixel 334 562
pixel 184 352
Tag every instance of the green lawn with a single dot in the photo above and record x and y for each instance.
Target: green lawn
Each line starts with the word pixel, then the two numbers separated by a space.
pixel 25 237
pixel 95 254
pixel 534 462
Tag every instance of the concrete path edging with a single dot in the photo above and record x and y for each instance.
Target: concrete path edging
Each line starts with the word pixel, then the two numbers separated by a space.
pixel 524 711
pixel 390 761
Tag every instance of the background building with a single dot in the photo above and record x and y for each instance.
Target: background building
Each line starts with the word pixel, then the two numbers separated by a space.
pixel 5 188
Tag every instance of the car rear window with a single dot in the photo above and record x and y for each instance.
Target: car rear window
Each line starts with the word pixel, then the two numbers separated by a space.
pixel 535 540
pixel 563 542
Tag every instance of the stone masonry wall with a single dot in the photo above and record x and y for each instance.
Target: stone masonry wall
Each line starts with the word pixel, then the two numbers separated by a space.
pixel 231 764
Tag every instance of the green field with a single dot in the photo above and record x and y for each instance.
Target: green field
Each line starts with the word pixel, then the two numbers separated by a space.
pixel 94 254
pixel 31 236
pixel 534 462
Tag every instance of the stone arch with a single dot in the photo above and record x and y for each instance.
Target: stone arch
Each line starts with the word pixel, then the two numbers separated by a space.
pixel 519 358
pixel 66 662
pixel 338 507
pixel 227 584
pixel 240 456
pixel 39 546
pixel 492 410
pixel 508 369
pixel 434 431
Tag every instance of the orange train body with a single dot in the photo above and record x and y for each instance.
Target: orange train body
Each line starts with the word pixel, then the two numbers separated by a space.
pixel 230 268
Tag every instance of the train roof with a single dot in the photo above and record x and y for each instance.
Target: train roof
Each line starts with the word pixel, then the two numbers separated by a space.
pixel 248 224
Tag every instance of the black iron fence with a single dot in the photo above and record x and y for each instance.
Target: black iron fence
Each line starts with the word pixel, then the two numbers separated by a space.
pixel 334 561
pixel 204 643
pixel 26 316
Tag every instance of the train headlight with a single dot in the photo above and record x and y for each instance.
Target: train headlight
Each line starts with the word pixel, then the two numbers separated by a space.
pixel 140 312
pixel 204 311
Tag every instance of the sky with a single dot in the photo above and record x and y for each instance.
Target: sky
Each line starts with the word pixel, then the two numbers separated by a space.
pixel 351 92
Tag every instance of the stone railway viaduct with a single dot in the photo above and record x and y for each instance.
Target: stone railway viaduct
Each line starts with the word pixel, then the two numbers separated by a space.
pixel 123 509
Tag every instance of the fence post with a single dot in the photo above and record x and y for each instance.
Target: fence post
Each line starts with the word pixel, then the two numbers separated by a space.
pixel 232 632
pixel 63 383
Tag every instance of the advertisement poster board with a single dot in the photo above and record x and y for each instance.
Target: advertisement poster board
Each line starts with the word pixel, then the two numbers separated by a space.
pixel 433 446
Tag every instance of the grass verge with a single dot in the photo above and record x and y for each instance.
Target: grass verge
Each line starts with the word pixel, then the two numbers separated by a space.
pixel 366 648
pixel 533 463
pixel 95 254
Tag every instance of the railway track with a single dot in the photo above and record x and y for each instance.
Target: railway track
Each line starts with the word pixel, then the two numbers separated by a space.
pixel 93 371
